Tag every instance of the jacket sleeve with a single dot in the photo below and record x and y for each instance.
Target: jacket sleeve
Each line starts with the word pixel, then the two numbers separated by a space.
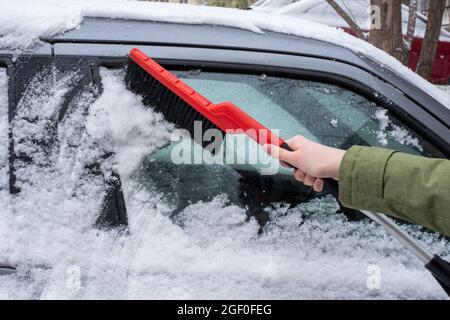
pixel 412 188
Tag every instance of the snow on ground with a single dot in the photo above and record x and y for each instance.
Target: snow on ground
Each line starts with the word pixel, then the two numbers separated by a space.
pixel 22 22
pixel 210 251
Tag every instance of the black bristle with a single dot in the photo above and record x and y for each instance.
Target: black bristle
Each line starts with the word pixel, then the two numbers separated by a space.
pixel 156 95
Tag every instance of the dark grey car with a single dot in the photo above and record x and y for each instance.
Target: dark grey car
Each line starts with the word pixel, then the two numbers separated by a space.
pixel 298 85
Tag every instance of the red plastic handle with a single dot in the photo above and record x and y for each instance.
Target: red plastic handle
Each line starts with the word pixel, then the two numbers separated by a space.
pixel 226 115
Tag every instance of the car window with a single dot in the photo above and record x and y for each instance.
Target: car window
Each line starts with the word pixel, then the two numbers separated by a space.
pixel 323 112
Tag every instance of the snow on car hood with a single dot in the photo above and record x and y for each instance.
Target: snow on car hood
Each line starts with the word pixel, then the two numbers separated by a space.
pixel 22 22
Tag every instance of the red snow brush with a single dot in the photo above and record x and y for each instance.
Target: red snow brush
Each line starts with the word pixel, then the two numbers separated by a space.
pixel 183 106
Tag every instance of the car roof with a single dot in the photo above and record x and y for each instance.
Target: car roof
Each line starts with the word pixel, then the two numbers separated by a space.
pixel 120 31
pixel 106 32
pixel 138 32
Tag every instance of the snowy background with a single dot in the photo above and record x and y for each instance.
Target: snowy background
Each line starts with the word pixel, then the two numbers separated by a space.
pixel 210 251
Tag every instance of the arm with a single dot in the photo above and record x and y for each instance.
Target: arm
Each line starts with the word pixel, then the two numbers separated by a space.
pixel 412 188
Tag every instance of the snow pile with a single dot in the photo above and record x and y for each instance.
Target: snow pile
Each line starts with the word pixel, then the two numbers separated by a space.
pixel 390 130
pixel 209 251
pixel 50 222
pixel 20 28
pixel 446 89
pixel 131 132
pixel 21 25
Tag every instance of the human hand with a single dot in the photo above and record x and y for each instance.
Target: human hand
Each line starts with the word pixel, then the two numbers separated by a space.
pixel 313 161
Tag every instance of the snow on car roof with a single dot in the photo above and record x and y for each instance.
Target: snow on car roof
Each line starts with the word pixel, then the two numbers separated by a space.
pixel 23 22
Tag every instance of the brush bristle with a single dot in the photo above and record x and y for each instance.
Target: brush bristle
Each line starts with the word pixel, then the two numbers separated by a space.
pixel 156 95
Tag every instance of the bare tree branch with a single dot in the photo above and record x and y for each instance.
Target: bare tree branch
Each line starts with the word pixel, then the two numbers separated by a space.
pixel 353 25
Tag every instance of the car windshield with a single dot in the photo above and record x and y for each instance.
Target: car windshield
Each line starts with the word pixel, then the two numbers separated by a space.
pixel 325 113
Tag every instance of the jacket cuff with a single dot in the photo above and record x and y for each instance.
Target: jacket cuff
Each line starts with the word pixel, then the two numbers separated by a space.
pixel 361 176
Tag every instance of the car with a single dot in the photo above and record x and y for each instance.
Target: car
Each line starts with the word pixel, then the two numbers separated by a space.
pixel 295 84
pixel 321 11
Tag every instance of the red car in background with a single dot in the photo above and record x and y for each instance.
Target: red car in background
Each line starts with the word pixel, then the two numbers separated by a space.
pixel 441 67
pixel 321 11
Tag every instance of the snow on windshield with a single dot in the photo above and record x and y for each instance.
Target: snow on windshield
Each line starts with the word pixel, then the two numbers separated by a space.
pixel 23 22
pixel 390 130
pixel 210 250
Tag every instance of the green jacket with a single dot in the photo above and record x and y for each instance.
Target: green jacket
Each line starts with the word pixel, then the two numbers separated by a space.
pixel 412 188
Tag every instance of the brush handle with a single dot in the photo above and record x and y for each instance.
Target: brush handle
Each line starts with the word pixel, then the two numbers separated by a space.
pixel 330 185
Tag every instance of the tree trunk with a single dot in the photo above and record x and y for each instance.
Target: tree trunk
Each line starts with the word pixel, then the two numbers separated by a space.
pixel 391 28
pixel 410 31
pixel 429 46
pixel 386 44
pixel 353 25
pixel 376 35
pixel 411 21
pixel 396 29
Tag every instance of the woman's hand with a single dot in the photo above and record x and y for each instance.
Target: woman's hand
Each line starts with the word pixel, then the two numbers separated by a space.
pixel 313 161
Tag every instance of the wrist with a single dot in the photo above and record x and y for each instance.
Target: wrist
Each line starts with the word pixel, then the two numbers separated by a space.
pixel 336 163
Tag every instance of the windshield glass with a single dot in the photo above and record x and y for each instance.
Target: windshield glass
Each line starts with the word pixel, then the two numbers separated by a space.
pixel 322 112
